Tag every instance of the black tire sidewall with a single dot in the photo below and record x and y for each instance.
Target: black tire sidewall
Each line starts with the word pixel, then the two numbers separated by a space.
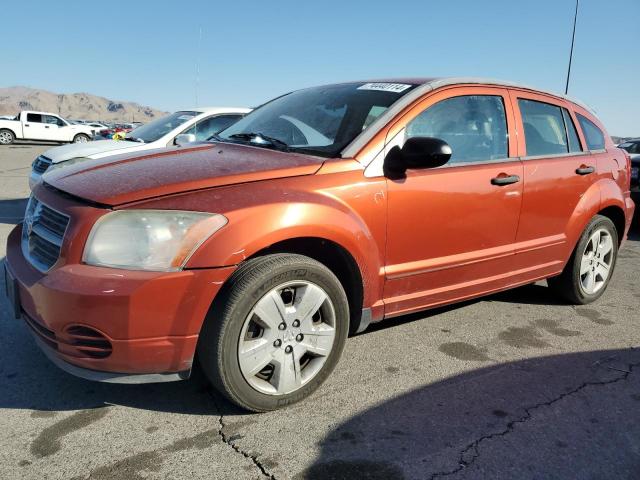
pixel 235 385
pixel 597 223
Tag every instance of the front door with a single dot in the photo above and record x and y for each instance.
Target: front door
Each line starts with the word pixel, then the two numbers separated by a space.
pixel 451 229
pixel 54 128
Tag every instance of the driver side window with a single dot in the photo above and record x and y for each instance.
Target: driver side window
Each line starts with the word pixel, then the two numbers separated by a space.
pixel 212 125
pixel 475 127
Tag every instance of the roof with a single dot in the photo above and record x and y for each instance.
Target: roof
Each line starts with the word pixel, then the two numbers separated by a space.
pixel 426 85
pixel 214 110
pixel 438 82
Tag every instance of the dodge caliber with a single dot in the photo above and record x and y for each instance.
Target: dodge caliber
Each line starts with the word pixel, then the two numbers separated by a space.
pixel 261 250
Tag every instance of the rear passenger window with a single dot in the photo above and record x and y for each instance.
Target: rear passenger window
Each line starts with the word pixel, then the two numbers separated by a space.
pixel 544 130
pixel 34 117
pixel 574 142
pixel 592 134
pixel 474 126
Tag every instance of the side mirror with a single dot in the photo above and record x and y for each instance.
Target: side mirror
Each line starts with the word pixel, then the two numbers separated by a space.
pixel 184 139
pixel 417 152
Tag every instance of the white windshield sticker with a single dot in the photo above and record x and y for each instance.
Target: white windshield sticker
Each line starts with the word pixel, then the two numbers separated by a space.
pixel 385 87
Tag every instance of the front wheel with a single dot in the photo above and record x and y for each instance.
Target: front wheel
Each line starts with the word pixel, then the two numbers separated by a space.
pixel 589 270
pixel 6 137
pixel 275 332
pixel 81 138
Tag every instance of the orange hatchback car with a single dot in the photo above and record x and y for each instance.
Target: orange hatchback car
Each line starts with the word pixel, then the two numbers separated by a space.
pixel 326 209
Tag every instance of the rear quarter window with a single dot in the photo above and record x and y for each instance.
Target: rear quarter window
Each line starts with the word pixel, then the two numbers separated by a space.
pixel 592 134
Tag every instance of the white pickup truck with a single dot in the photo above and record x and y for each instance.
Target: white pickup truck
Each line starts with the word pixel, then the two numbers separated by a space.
pixel 43 126
pixel 178 128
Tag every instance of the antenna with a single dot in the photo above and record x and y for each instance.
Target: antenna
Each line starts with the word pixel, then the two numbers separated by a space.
pixel 573 38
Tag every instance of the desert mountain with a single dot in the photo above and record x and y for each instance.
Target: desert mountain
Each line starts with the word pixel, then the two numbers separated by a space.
pixel 73 105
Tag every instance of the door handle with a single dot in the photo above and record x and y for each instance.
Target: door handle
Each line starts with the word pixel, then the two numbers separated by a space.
pixel 502 180
pixel 585 170
pixel 46 126
pixel 26 124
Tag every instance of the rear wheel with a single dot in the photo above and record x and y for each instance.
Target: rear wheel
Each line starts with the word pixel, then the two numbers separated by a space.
pixel 589 270
pixel 6 137
pixel 81 138
pixel 275 332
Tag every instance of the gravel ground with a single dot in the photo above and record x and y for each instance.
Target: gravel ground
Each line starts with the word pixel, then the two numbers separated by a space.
pixel 516 385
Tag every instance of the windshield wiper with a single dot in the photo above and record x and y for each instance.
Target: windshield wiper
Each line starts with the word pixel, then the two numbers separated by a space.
pixel 134 139
pixel 266 140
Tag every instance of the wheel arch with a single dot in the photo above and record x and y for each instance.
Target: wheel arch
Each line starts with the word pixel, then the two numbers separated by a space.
pixel 337 259
pixel 10 130
pixel 603 197
pixel 616 214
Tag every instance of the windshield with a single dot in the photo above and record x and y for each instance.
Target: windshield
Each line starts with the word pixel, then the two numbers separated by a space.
pixel 157 129
pixel 320 121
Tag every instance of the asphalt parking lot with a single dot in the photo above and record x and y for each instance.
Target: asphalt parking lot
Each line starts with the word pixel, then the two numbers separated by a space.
pixel 516 385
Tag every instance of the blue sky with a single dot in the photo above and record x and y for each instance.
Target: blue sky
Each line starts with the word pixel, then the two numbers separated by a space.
pixel 250 51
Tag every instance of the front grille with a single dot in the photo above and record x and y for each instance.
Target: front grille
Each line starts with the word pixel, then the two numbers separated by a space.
pixel 41 164
pixel 42 234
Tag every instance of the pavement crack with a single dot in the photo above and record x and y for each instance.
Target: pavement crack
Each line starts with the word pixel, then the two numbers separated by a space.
pixel 236 448
pixel 470 453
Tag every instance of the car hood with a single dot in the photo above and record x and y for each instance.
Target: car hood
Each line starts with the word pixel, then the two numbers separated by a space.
pixel 77 150
pixel 127 178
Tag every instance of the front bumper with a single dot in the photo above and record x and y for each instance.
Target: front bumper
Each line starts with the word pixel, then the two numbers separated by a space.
pixel 144 326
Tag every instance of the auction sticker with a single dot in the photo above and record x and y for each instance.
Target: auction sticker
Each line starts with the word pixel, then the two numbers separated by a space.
pixel 385 87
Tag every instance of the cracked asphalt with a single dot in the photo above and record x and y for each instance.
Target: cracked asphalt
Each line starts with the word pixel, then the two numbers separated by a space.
pixel 515 385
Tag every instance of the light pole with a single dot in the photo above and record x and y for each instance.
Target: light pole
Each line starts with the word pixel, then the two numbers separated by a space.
pixel 573 38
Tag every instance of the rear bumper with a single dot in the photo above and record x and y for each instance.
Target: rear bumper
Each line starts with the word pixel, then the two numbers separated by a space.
pixel 108 325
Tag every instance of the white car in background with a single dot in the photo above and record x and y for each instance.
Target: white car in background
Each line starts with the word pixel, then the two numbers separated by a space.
pixel 96 125
pixel 179 128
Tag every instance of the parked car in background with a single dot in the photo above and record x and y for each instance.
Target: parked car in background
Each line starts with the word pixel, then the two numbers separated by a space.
pixel 319 212
pixel 29 125
pixel 181 127
pixel 632 147
pixel 97 126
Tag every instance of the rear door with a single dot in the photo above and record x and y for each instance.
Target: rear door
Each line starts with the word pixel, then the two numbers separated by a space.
pixel 558 170
pixel 451 229
pixel 33 127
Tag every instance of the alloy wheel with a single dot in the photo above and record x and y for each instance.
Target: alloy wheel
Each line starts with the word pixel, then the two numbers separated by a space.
pixel 597 260
pixel 287 337
pixel 5 138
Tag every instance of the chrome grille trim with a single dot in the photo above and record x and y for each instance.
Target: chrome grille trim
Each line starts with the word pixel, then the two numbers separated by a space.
pixel 42 234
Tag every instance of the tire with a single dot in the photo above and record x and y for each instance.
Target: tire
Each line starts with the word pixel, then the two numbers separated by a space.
pixel 6 137
pixel 573 283
pixel 238 320
pixel 81 138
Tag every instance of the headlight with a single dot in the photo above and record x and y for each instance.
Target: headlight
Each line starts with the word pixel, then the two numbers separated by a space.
pixel 159 240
